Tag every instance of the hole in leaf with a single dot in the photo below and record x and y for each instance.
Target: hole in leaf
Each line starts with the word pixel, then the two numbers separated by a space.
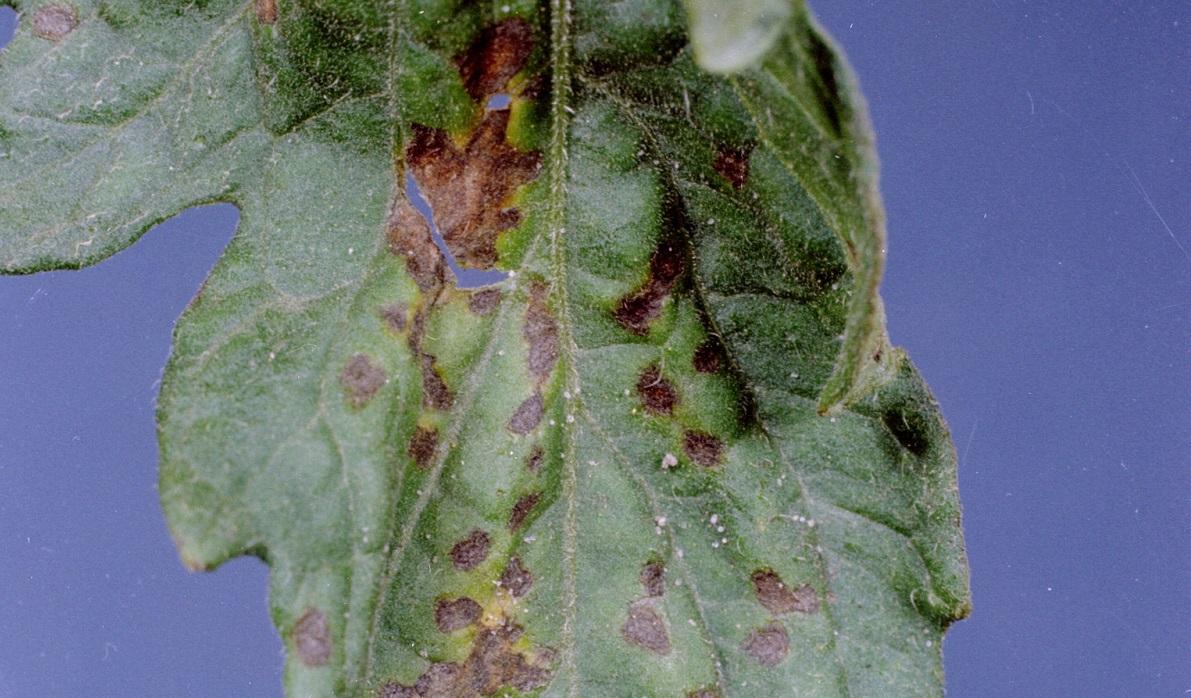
pixel 8 24
pixel 499 101
pixel 464 278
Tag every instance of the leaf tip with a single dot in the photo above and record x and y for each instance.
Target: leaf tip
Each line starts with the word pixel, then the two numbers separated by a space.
pixel 728 38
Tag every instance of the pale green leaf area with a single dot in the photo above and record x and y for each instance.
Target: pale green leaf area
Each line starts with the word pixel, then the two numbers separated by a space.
pixel 671 454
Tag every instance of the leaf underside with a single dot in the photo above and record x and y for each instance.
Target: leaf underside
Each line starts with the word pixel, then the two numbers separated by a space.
pixel 671 454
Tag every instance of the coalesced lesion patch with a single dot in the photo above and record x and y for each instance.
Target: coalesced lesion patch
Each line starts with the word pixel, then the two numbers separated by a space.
pixel 496 661
pixel 470 188
pixel 637 311
pixel 779 598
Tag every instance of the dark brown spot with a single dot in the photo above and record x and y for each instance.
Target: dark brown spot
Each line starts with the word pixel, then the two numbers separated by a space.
pixel 54 22
pixel 528 415
pixel 541 332
pixel 455 614
pixel 516 578
pixel 533 462
pixel 653 578
pixel 702 448
pixel 422 445
pixel 312 638
pixel 394 316
pixel 409 237
pixel 646 629
pixel 636 311
pixel 498 55
pixel 768 645
pixel 779 599
pixel 657 394
pixel 522 509
pixel 484 302
pixel 361 378
pixel 492 664
pixel 707 357
pixel 733 165
pixel 435 393
pixel 266 11
pixel 469 552
pixel 469 189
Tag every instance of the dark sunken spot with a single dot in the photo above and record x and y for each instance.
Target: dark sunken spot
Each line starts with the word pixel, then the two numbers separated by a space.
pixel 54 22
pixel 484 302
pixel 516 578
pixel 312 639
pixel 657 394
pixel 646 629
pixel 492 664
pixel 409 237
pixel 422 446
pixel 266 11
pixel 522 509
pixel 733 165
pixel 636 311
pixel 702 448
pixel 469 189
pixel 361 378
pixel 533 462
pixel 768 645
pixel 707 357
pixel 541 332
pixel 909 430
pixel 394 316
pixel 468 553
pixel 653 578
pixel 779 599
pixel 528 415
pixel 498 55
pixel 455 614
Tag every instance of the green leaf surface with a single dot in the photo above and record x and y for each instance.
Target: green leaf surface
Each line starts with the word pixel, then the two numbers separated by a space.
pixel 671 454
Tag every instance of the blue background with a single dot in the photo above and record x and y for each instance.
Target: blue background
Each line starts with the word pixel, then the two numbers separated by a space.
pixel 1037 174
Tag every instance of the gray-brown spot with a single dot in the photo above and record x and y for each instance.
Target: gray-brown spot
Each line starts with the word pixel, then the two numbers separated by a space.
pixel 645 628
pixel 455 614
pixel 361 378
pixel 653 578
pixel 54 22
pixel 533 462
pixel 707 357
pixel 702 448
pixel 312 638
pixel 468 553
pixel 396 690
pixel 394 316
pixel 768 645
pixel 498 55
pixel 637 311
pixel 522 509
pixel 422 445
pixel 516 578
pixel 541 332
pixel 492 665
pixel 266 11
pixel 469 189
pixel 409 238
pixel 733 165
pixel 528 415
pixel 657 394
pixel 779 599
pixel 484 302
